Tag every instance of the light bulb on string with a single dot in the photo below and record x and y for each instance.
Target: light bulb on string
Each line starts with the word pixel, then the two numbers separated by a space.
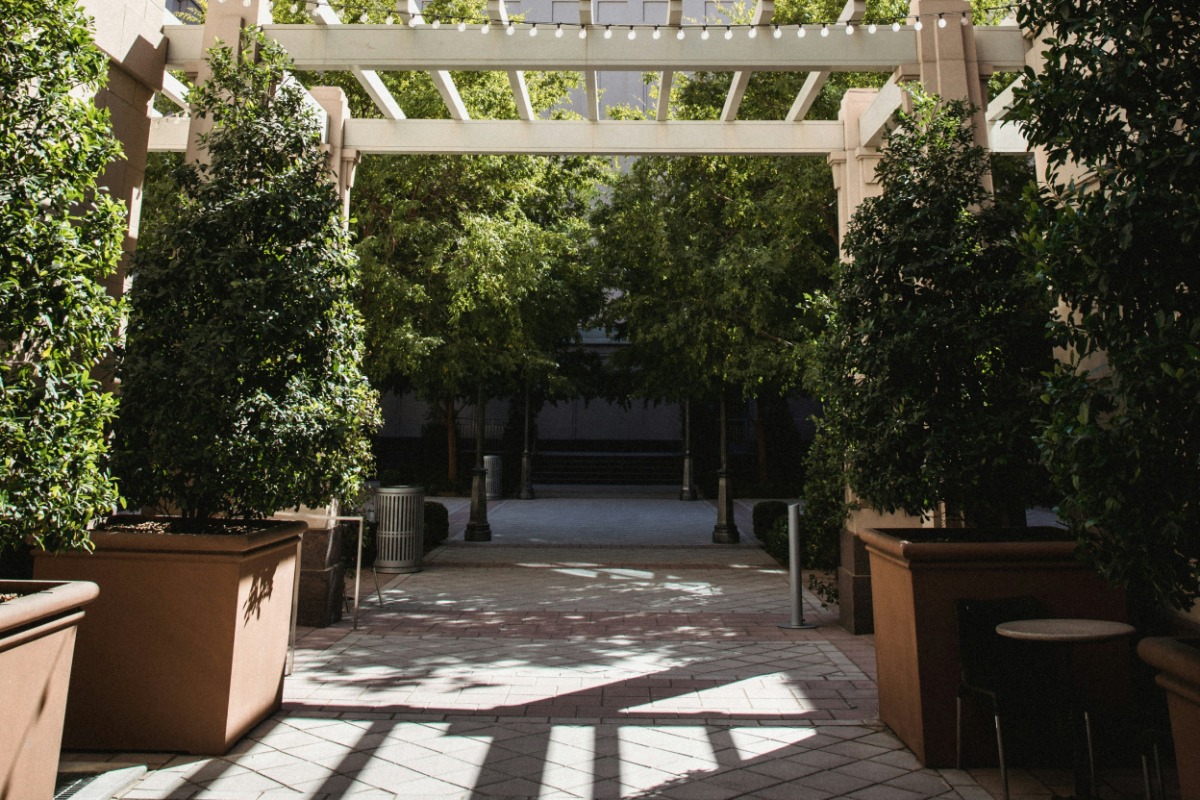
pixel 777 32
pixel 941 20
pixel 752 33
pixel 657 33
pixel 533 30
pixel 704 32
pixel 872 28
pixel 895 27
pixel 801 33
pixel 389 20
pixel 963 20
pixel 728 32
pixel 918 25
pixel 485 28
pixel 462 26
pixel 632 33
pixel 824 30
pixel 558 31
pixel 680 35
pixel 437 23
pixel 510 30
pixel 849 29
pixel 608 31
pixel 582 32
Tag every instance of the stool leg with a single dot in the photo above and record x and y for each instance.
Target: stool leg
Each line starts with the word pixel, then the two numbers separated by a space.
pixel 1000 750
pixel 1087 726
pixel 958 763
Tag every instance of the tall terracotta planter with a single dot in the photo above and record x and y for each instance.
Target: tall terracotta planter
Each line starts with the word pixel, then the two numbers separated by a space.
pixel 186 648
pixel 914 585
pixel 37 640
pixel 1179 660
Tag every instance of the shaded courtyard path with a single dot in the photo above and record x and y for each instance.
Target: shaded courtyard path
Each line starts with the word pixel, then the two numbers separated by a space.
pixel 595 649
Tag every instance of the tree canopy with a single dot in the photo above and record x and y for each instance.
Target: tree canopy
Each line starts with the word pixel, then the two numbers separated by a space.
pixel 242 387
pixel 936 341
pixel 1116 236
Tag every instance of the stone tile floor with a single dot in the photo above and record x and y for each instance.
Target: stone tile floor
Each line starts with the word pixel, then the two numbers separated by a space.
pixel 595 650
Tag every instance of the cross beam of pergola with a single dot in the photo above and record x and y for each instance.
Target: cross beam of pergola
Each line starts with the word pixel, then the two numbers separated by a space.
pixel 366 50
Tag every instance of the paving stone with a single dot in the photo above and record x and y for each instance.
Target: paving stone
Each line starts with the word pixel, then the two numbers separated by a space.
pixel 594 649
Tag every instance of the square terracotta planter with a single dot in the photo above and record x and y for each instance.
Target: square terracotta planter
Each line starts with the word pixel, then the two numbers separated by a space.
pixel 1179 662
pixel 37 640
pixel 914 584
pixel 186 648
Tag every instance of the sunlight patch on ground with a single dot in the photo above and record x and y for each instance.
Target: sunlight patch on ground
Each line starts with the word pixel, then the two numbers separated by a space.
pixel 751 744
pixel 736 697
pixel 570 756
pixel 652 757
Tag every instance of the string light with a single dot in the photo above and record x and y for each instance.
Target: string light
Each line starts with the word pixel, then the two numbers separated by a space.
pixel 511 26
pixel 963 20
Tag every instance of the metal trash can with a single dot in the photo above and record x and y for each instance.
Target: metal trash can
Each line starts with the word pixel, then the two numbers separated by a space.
pixel 495 489
pixel 400 511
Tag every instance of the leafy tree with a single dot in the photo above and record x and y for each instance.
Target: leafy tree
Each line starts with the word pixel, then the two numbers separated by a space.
pixel 1116 237
pixel 242 388
pixel 60 236
pixel 937 336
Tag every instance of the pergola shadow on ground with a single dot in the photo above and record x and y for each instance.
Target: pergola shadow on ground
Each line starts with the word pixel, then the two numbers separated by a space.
pixel 591 669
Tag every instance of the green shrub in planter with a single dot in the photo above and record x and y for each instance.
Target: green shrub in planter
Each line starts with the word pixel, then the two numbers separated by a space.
pixel 437 524
pixel 766 515
pixel 936 347
pixel 1117 231
pixel 60 236
pixel 242 390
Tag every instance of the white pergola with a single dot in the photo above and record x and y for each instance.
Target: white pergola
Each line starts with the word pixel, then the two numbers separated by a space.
pixel 936 45
pixel 412 45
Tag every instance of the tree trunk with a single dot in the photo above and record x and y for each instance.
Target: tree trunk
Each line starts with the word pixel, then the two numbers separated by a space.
pixel 451 440
pixel 760 439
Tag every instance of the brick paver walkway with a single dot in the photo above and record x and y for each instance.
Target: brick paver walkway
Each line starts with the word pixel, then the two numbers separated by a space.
pixel 594 650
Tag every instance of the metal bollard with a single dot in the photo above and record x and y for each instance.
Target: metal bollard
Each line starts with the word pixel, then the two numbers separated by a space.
pixel 797 622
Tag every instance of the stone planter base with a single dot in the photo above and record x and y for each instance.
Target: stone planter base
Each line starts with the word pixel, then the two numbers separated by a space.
pixel 37 641
pixel 185 649
pixel 914 585
pixel 1179 660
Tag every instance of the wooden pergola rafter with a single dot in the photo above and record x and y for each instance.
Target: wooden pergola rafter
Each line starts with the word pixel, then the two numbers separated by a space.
pixel 367 50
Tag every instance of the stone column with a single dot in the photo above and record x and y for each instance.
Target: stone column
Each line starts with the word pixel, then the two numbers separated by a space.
pixel 343 163
pixel 130 33
pixel 223 22
pixel 854 167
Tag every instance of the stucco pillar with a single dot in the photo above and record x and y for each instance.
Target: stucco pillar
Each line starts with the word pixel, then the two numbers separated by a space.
pixel 947 63
pixel 223 22
pixel 854 167
pixel 129 32
pixel 342 162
